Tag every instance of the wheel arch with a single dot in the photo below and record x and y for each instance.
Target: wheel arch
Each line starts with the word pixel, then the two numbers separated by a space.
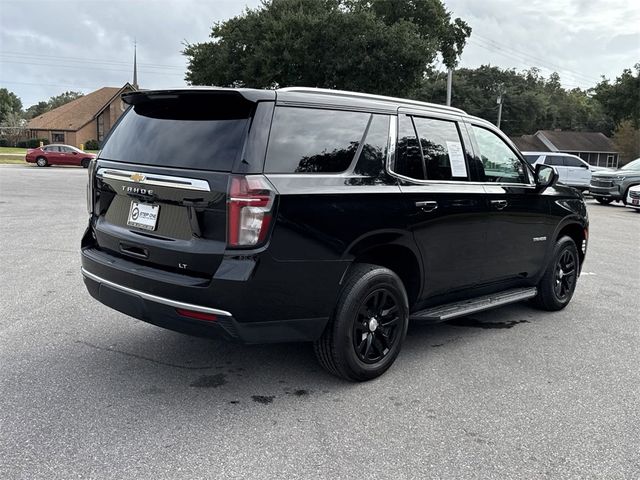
pixel 578 233
pixel 393 251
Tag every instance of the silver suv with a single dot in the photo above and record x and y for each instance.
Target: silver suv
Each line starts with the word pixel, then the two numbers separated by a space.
pixel 614 185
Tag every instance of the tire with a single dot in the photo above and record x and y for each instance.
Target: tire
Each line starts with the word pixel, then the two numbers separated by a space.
pixel 41 162
pixel 361 341
pixel 604 200
pixel 558 283
pixel 84 163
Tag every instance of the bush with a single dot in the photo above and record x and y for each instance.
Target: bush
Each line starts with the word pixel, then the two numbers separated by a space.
pixel 32 143
pixel 4 142
pixel 91 145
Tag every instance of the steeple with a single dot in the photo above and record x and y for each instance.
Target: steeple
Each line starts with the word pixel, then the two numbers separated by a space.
pixel 135 66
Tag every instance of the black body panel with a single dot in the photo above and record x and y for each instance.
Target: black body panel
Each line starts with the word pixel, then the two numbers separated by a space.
pixel 449 240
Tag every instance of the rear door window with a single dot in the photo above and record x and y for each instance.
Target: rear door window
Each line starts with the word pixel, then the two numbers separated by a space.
pixel 409 162
pixel 374 150
pixel 573 162
pixel 441 149
pixel 310 140
pixel 554 161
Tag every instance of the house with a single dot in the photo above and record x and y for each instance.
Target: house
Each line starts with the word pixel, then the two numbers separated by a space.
pixel 89 117
pixel 593 147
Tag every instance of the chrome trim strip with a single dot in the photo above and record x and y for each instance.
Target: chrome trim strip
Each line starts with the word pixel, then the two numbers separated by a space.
pixel 155 298
pixel 155 179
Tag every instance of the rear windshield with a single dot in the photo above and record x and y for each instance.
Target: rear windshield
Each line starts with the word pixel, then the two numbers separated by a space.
pixel 204 132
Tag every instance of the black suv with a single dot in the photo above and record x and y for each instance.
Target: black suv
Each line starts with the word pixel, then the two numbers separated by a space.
pixel 325 216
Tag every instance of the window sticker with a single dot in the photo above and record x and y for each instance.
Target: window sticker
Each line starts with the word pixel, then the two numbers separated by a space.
pixel 456 157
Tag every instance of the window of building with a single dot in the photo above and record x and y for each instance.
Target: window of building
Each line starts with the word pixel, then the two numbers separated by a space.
pixel 100 127
pixel 57 137
pixel 308 140
pixel 610 161
pixel 501 164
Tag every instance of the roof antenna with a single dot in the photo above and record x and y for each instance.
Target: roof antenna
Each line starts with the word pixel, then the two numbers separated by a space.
pixel 135 65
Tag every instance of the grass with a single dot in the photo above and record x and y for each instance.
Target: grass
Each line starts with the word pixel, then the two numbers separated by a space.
pixel 17 151
pixel 4 159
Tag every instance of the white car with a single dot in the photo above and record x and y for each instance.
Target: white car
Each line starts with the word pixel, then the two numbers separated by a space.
pixel 572 170
pixel 633 198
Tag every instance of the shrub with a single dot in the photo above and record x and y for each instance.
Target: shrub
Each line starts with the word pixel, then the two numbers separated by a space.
pixel 32 143
pixel 4 142
pixel 91 145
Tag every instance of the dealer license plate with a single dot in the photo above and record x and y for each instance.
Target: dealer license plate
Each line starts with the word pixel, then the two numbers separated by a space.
pixel 635 201
pixel 143 215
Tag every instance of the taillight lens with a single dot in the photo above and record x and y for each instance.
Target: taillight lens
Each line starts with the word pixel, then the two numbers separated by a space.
pixel 249 210
pixel 91 172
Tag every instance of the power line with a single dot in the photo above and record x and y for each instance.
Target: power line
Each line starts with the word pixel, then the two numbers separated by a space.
pixel 57 65
pixel 527 59
pixel 538 59
pixel 86 60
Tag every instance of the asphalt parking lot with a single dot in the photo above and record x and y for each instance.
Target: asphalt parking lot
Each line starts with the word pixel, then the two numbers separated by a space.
pixel 86 392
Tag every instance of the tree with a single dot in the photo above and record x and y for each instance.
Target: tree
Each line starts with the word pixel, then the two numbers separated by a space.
pixel 627 140
pixel 9 103
pixel 36 110
pixel 530 101
pixel 53 102
pixel 13 127
pixel 621 99
pixel 375 46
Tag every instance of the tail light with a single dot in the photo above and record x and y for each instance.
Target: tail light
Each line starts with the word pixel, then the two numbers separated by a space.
pixel 91 172
pixel 249 210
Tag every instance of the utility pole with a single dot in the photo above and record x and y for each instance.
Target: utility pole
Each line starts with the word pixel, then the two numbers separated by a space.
pixel 500 101
pixel 449 81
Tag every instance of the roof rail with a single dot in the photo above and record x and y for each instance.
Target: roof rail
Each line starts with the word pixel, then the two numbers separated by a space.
pixel 345 93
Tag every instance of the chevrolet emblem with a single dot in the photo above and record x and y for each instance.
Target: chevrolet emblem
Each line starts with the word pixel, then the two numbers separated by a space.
pixel 137 177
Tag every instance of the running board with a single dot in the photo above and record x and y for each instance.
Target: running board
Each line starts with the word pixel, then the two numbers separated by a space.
pixel 460 309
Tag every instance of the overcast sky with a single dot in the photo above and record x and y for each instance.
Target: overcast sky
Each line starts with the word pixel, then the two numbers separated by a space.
pixel 49 46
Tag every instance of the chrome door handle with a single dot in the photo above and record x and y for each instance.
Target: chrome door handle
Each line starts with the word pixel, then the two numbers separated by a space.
pixel 427 206
pixel 499 204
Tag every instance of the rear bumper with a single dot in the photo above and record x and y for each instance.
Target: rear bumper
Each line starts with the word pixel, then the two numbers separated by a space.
pixel 162 312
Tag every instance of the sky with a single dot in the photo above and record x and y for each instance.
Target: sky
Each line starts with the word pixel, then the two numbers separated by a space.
pixel 51 46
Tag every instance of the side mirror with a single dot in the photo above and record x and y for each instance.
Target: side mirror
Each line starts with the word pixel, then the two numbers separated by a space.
pixel 546 176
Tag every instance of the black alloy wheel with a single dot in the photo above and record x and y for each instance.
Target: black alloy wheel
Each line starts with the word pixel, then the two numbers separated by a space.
pixel 365 332
pixel 558 283
pixel 565 274
pixel 375 329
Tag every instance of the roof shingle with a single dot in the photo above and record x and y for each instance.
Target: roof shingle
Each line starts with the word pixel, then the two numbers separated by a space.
pixel 75 114
pixel 529 143
pixel 579 141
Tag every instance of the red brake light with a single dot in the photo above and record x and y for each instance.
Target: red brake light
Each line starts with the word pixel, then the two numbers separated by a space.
pixel 249 210
pixel 197 315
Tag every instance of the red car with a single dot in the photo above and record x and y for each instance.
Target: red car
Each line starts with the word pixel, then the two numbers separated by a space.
pixel 59 155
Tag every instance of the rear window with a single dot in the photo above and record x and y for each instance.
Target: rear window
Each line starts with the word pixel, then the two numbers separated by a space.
pixel 309 140
pixel 204 132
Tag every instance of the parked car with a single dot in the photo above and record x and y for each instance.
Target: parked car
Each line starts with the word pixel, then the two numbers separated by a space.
pixel 59 155
pixel 324 216
pixel 633 198
pixel 572 170
pixel 614 185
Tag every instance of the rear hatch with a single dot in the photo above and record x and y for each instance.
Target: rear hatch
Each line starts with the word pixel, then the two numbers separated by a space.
pixel 162 177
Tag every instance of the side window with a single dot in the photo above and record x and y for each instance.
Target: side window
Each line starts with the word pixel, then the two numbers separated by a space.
pixel 372 158
pixel 573 162
pixel 308 140
pixel 441 149
pixel 53 149
pixel 554 161
pixel 531 158
pixel 408 156
pixel 501 164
